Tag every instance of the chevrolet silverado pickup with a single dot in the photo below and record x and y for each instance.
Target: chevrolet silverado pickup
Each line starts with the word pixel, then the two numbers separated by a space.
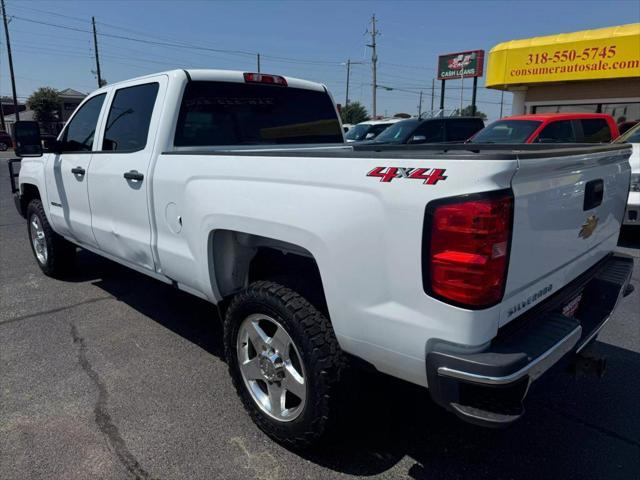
pixel 467 269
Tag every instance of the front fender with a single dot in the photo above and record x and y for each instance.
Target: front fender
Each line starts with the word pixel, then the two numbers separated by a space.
pixel 32 172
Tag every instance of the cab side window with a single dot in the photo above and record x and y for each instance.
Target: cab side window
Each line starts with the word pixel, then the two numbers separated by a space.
pixel 129 118
pixel 433 131
pixel 557 132
pixel 78 136
pixel 595 130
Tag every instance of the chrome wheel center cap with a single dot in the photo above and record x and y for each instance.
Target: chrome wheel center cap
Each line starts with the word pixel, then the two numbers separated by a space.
pixel 272 366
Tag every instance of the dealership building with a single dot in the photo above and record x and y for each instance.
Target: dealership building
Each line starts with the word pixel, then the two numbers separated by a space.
pixel 589 71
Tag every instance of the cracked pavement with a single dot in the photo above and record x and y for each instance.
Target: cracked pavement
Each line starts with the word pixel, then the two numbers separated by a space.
pixel 112 375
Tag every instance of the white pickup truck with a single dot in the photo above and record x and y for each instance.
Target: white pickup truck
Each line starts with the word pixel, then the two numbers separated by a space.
pixel 469 270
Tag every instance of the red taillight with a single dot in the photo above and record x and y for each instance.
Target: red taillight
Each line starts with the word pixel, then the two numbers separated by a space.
pixel 264 78
pixel 467 249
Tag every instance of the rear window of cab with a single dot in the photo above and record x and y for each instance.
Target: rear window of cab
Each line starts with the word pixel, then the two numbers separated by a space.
pixel 229 113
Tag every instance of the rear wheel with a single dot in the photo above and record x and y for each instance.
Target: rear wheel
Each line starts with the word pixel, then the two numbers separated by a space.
pixel 285 362
pixel 53 253
pixel 3 147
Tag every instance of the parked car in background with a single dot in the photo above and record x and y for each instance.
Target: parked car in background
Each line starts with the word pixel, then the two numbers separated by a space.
pixel 430 130
pixel 550 128
pixel 370 129
pixel 632 213
pixel 5 141
pixel 347 126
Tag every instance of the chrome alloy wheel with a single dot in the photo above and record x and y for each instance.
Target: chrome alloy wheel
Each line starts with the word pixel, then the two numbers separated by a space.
pixel 38 239
pixel 271 367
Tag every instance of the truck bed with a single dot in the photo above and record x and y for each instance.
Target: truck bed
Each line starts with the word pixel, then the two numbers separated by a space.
pixel 416 152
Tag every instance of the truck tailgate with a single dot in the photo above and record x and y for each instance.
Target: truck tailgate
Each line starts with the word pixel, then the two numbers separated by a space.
pixel 568 210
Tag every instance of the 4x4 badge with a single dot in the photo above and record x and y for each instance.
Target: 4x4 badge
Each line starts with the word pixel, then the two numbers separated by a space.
pixel 588 227
pixel 431 176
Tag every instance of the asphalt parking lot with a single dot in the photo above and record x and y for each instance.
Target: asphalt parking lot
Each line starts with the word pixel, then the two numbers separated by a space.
pixel 112 375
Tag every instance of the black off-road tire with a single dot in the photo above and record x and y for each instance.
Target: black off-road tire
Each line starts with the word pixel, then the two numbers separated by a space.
pixel 320 353
pixel 60 252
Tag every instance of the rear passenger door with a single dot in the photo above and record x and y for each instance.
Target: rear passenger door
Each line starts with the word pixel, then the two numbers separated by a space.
pixel 120 170
pixel 561 131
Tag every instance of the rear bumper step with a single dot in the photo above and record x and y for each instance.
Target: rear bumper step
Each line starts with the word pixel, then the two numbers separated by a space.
pixel 488 387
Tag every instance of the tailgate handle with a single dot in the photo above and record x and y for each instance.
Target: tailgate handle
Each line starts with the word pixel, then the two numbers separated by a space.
pixel 593 194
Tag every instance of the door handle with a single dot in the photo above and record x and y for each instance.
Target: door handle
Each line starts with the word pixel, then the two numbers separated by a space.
pixel 133 175
pixel 78 171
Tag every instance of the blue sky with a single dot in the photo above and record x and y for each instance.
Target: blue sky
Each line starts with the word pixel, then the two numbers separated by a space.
pixel 310 39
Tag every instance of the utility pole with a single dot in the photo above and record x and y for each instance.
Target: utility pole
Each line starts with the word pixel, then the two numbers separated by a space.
pixel 501 101
pixel 346 96
pixel 13 78
pixel 420 104
pixel 95 45
pixel 374 60
pixel 3 125
pixel 461 91
pixel 433 87
pixel 258 57
pixel 348 64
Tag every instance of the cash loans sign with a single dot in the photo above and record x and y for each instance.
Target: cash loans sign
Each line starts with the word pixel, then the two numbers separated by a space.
pixel 456 65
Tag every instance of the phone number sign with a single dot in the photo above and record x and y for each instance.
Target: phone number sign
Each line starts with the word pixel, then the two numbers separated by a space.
pixel 613 56
pixel 462 64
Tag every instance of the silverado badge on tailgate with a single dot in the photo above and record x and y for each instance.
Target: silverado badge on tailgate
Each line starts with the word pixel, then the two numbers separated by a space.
pixel 588 227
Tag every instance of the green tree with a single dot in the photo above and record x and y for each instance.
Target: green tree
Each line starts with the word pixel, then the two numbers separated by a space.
pixel 466 112
pixel 354 113
pixel 45 104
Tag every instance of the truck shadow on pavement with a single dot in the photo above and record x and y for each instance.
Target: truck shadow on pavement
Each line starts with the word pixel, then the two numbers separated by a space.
pixel 574 428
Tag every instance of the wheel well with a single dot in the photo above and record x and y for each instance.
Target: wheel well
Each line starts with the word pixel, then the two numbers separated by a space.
pixel 29 192
pixel 239 259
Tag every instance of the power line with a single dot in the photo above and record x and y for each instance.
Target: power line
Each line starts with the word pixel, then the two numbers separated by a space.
pixel 409 66
pixel 140 40
pixel 190 47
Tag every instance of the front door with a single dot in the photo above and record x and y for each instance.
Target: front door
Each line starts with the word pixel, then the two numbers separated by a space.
pixel 67 174
pixel 119 173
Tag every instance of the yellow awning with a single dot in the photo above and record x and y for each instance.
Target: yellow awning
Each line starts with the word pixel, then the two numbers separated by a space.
pixel 612 52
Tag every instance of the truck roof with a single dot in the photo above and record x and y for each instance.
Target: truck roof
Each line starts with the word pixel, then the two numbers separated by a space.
pixel 214 75
pixel 557 116
pixel 382 121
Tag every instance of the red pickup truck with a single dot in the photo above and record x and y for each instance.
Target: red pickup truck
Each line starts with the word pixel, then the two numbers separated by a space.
pixel 550 128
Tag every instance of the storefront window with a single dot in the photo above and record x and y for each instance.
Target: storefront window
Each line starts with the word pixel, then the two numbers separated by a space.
pixel 621 112
pixel 583 108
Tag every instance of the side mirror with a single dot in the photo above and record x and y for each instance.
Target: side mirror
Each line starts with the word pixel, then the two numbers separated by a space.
pixel 418 139
pixel 27 139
